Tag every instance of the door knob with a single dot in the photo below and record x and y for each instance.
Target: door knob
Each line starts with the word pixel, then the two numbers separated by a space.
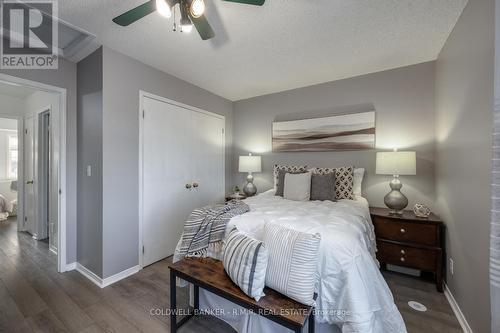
pixel 29 182
pixel 195 185
pixel 188 186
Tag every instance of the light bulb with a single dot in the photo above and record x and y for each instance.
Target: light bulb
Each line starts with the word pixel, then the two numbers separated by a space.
pixel 163 8
pixel 187 28
pixel 197 8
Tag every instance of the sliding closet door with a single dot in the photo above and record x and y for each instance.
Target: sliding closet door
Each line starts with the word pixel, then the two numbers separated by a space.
pixel 208 154
pixel 166 166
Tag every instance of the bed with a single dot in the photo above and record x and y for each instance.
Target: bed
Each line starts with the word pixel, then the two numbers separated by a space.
pixel 352 294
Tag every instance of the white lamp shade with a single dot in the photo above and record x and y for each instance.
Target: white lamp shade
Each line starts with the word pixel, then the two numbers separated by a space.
pixel 250 164
pixel 396 163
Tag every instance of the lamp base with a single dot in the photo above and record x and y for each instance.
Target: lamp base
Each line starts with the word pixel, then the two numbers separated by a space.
pixel 395 200
pixel 249 189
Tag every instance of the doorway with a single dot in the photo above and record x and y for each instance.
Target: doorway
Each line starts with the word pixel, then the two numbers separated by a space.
pixel 41 201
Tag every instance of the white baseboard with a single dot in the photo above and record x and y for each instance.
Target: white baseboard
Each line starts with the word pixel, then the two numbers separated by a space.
pixel 456 310
pixel 119 276
pixel 101 283
pixel 70 267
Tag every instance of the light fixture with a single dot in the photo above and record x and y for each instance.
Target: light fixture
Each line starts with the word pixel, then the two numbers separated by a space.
pixel 396 163
pixel 163 8
pixel 197 8
pixel 250 164
pixel 187 27
pixel 186 24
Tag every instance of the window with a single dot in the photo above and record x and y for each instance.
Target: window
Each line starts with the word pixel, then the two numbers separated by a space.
pixel 12 157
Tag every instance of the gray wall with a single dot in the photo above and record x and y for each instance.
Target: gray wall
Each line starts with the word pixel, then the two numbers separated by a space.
pixel 89 129
pixel 464 104
pixel 123 78
pixel 403 99
pixel 63 77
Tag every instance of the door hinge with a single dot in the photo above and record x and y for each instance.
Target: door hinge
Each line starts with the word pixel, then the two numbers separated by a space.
pixel 60 191
pixel 222 131
pixel 143 114
pixel 25 219
pixel 25 131
pixel 143 250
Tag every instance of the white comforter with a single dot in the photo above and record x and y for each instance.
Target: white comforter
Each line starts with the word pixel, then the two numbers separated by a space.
pixel 352 294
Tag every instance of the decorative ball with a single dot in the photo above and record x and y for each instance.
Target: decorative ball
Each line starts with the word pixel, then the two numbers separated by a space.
pixel 421 210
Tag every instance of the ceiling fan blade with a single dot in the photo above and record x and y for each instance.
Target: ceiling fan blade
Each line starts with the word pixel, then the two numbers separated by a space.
pixel 204 29
pixel 135 14
pixel 249 2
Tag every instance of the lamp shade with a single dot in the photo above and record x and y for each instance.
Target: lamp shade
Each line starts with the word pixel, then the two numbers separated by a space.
pixel 250 164
pixel 396 163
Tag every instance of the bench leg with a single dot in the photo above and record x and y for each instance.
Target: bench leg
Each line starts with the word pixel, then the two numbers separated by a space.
pixel 173 303
pixel 196 299
pixel 311 322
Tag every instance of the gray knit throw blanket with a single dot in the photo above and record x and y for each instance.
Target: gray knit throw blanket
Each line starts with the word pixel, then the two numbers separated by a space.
pixel 205 229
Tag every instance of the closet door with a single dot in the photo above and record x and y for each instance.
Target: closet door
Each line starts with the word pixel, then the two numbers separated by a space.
pixel 208 159
pixel 167 142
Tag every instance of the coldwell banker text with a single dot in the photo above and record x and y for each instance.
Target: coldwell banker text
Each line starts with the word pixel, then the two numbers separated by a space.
pixel 29 34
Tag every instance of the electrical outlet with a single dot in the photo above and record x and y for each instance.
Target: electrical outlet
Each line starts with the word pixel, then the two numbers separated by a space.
pixel 451 266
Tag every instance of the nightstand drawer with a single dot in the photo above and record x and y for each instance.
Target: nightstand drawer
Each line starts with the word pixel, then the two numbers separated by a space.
pixel 420 233
pixel 407 256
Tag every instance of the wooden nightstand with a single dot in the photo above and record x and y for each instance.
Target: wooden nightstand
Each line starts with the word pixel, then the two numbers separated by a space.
pixel 410 241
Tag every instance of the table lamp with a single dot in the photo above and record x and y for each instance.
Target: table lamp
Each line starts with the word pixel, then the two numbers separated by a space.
pixel 396 163
pixel 250 164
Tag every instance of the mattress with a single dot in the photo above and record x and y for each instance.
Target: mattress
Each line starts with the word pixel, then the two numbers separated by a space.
pixel 352 294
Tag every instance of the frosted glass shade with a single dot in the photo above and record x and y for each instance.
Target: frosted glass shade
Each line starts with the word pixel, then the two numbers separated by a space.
pixel 402 163
pixel 250 164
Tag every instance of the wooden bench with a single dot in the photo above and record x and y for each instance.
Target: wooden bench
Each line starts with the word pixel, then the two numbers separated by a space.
pixel 209 274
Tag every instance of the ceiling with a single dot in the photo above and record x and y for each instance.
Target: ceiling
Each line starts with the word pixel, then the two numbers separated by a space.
pixel 282 45
pixel 14 90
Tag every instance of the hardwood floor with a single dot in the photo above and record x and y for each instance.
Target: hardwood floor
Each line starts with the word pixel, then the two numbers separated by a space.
pixel 35 298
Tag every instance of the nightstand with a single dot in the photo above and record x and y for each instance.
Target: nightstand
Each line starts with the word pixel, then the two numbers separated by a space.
pixel 410 241
pixel 236 197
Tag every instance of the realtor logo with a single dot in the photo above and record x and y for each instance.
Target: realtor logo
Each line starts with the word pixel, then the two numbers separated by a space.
pixel 29 33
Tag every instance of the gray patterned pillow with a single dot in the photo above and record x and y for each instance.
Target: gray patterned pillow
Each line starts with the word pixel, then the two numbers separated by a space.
pixel 323 186
pixel 245 261
pixel 287 168
pixel 344 181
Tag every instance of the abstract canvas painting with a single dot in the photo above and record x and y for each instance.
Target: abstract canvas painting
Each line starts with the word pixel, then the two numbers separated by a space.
pixel 353 131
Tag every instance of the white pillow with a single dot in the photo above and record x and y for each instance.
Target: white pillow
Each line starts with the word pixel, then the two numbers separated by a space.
pixel 358 180
pixel 292 263
pixel 297 186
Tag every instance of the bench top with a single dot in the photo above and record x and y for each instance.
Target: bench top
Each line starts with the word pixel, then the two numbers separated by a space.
pixel 209 274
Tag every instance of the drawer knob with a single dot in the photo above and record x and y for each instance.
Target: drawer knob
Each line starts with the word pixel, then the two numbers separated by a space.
pixel 403 252
pixel 402 259
pixel 403 230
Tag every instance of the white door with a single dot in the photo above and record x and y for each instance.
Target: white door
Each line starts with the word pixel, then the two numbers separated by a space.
pixel 177 147
pixel 208 153
pixel 29 189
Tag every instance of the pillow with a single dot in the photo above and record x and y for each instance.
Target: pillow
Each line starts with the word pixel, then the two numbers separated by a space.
pixel 344 181
pixel 359 173
pixel 323 187
pixel 287 168
pixel 245 261
pixel 297 186
pixel 293 257
pixel 281 182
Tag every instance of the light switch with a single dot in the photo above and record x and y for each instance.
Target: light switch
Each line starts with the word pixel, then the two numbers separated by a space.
pixel 89 171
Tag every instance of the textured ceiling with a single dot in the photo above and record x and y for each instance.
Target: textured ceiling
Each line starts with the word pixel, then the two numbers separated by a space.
pixel 282 45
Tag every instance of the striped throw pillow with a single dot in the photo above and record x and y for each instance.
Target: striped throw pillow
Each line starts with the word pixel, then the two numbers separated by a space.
pixel 245 261
pixel 291 268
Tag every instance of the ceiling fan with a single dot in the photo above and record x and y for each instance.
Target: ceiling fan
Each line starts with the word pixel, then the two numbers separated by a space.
pixel 192 13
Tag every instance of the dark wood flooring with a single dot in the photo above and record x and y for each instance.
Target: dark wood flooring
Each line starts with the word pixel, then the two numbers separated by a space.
pixel 35 298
